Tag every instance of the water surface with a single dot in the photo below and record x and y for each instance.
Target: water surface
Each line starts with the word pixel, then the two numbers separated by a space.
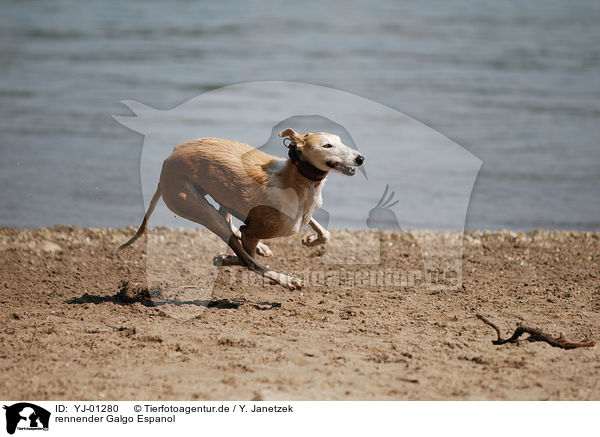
pixel 516 84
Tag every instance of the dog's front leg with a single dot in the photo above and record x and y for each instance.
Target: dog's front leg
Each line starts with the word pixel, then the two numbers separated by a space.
pixel 261 248
pixel 321 236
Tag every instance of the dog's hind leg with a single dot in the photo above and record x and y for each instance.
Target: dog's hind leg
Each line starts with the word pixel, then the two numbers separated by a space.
pixel 225 259
pixel 261 248
pixel 227 216
pixel 251 246
pixel 185 200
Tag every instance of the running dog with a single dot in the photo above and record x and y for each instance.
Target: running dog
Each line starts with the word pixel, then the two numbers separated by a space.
pixel 273 197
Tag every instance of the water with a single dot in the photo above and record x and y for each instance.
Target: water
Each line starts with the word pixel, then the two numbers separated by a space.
pixel 516 84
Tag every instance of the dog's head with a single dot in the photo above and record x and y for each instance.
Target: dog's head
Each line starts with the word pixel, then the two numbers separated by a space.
pixel 325 151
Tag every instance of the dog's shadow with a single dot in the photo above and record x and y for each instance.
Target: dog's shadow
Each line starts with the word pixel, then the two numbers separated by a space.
pixel 129 294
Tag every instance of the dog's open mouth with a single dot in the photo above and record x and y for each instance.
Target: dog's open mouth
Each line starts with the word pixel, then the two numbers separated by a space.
pixel 345 169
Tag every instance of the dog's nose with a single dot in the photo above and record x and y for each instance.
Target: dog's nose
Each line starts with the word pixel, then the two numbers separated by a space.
pixel 359 160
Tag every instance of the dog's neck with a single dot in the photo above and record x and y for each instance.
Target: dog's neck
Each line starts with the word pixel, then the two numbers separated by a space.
pixel 305 168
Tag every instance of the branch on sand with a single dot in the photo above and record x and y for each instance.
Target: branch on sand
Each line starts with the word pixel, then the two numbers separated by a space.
pixel 535 335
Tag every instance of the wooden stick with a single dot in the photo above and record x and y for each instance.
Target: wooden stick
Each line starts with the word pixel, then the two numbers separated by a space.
pixel 535 335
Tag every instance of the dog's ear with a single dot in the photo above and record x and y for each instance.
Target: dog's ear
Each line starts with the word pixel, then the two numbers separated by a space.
pixel 292 135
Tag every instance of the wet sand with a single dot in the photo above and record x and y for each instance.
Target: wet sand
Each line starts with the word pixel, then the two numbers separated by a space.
pixel 80 322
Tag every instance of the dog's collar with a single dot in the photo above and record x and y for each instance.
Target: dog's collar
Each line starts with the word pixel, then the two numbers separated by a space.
pixel 306 169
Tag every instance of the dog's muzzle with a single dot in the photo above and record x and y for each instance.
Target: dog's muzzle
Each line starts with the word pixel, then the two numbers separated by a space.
pixel 345 169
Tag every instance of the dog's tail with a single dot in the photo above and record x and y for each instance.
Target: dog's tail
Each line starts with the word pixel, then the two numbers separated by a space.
pixel 142 228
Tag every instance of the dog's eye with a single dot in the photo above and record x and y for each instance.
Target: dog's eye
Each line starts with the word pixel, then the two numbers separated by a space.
pixel 328 146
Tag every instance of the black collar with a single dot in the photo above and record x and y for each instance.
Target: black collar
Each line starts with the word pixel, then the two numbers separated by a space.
pixel 306 169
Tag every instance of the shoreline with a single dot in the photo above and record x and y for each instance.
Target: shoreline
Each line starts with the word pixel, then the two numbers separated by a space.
pixel 14 237
pixel 59 227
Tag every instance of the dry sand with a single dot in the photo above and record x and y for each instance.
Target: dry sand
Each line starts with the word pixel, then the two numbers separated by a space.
pixel 79 322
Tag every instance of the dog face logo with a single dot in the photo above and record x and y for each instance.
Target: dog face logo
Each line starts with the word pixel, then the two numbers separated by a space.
pixel 26 416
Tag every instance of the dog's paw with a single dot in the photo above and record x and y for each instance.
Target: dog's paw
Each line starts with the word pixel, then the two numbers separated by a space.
pixel 292 283
pixel 263 250
pixel 224 259
pixel 312 240
pixel 286 281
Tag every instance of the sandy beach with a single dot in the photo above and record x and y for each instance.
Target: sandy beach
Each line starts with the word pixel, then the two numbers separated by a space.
pixel 80 322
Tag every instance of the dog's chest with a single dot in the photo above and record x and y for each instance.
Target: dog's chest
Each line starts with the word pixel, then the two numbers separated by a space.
pixel 296 205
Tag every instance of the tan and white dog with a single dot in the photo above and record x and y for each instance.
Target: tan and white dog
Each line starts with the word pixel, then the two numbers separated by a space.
pixel 272 196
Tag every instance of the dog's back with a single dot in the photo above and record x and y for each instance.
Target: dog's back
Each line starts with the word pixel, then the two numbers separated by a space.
pixel 230 171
